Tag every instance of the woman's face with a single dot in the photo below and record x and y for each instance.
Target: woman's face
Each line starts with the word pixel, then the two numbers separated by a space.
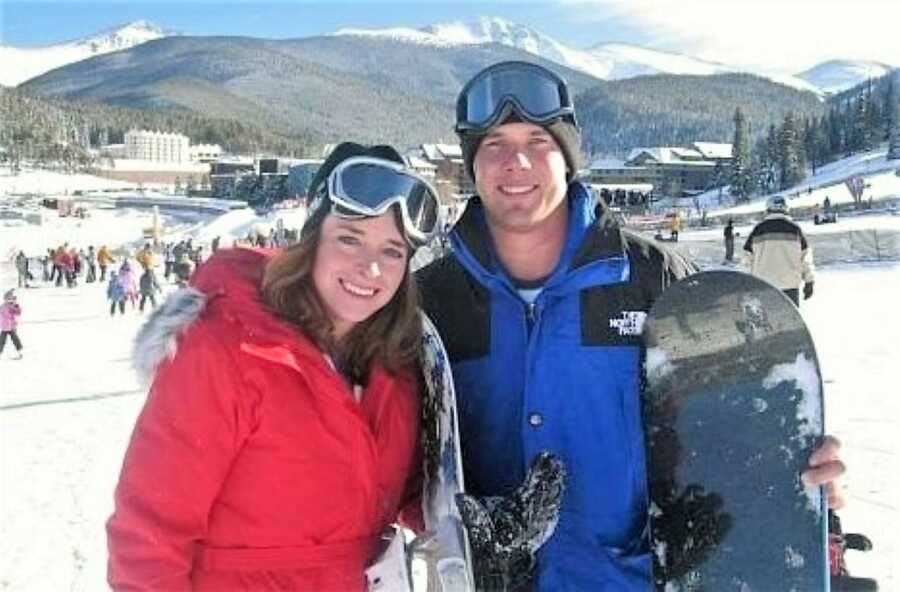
pixel 358 268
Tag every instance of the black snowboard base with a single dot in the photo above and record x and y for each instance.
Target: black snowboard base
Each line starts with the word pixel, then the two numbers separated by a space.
pixel 732 411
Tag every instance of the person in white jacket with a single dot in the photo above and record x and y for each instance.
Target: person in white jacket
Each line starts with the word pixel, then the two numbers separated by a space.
pixel 778 252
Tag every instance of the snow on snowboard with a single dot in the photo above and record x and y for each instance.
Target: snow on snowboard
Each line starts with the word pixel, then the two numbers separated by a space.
pixel 732 411
pixel 444 547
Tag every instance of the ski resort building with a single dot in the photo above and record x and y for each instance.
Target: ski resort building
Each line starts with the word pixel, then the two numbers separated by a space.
pixel 670 171
pixel 450 178
pixel 157 146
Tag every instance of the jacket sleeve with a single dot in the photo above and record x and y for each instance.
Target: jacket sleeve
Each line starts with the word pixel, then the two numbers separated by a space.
pixel 191 428
pixel 807 267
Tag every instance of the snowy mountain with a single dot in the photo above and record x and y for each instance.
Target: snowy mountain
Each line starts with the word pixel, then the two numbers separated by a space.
pixel 606 61
pixel 628 61
pixel 835 76
pixel 18 64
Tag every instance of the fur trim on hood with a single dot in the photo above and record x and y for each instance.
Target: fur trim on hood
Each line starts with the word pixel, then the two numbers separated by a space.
pixel 158 338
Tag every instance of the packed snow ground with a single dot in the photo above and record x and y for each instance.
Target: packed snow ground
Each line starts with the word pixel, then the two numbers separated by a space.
pixel 67 408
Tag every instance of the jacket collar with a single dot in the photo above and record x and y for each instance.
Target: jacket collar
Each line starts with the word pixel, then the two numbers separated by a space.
pixel 225 288
pixel 592 235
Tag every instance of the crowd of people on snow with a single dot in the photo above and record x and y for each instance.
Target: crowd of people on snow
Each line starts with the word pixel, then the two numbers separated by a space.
pixel 131 279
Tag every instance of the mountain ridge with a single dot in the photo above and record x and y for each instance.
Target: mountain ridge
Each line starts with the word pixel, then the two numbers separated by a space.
pixel 603 60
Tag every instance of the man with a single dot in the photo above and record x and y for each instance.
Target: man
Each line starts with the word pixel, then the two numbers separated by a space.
pixel 729 241
pixel 540 304
pixel 777 252
pixel 104 260
pixel 145 257
pixel 22 270
pixel 91 259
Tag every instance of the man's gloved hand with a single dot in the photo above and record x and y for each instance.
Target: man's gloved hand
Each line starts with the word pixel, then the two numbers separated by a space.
pixel 506 532
pixel 807 290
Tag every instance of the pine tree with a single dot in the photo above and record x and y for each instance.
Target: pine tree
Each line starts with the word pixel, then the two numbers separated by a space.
pixel 871 120
pixel 740 177
pixel 819 145
pixel 893 109
pixel 769 161
pixel 835 144
pixel 889 108
pixel 790 153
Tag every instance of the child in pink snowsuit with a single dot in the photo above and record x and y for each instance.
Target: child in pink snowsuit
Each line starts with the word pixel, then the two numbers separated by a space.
pixel 9 320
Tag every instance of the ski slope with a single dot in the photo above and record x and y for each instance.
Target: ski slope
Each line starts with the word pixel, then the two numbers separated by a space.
pixel 67 408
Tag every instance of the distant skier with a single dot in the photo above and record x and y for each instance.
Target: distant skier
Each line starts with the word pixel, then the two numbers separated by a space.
pixel 45 266
pixel 22 270
pixel 91 262
pixel 129 285
pixel 115 293
pixel 183 269
pixel 145 257
pixel 149 287
pixel 169 260
pixel 9 320
pixel 104 260
pixel 67 265
pixel 729 241
pixel 777 252
pixel 674 227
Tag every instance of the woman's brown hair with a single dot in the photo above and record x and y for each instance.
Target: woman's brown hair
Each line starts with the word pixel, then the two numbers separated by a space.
pixel 391 337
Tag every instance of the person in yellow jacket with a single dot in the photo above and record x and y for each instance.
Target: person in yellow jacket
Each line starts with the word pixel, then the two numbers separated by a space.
pixel 145 257
pixel 674 226
pixel 104 259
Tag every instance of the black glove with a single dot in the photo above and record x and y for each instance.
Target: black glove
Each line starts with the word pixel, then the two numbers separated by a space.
pixel 807 290
pixel 506 532
pixel 694 524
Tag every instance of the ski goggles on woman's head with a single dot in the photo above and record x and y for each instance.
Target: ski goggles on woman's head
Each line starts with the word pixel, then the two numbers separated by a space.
pixel 537 94
pixel 363 186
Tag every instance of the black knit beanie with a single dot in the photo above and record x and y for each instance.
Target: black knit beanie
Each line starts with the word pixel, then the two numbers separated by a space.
pixel 564 132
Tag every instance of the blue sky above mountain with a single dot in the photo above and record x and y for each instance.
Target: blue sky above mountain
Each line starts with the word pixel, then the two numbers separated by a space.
pixel 786 37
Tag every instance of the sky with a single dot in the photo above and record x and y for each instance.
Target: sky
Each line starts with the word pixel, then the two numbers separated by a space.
pixel 777 35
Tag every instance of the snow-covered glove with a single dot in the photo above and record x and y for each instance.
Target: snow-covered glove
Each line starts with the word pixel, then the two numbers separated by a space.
pixel 506 532
pixel 694 524
pixel 807 290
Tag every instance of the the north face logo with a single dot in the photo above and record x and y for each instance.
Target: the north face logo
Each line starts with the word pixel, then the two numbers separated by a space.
pixel 630 323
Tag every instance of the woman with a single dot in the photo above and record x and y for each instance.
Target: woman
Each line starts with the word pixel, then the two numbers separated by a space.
pixel 279 440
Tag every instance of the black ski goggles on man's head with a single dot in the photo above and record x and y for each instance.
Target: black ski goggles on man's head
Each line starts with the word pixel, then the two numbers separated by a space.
pixel 363 186
pixel 537 94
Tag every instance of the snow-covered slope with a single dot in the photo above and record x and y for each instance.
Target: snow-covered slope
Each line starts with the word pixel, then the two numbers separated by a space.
pixel 18 64
pixel 627 61
pixel 835 76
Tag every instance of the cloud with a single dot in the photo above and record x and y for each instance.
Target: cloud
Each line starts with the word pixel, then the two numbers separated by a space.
pixel 785 35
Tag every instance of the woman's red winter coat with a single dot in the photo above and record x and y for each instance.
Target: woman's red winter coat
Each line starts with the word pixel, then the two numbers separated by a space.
pixel 251 466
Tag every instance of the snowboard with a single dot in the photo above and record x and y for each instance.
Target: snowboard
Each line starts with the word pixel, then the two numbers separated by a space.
pixel 444 547
pixel 732 411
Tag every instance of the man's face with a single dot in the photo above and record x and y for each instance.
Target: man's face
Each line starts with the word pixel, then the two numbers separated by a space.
pixel 520 174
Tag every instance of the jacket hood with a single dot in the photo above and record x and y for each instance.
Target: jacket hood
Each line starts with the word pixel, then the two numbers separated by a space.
pixel 224 288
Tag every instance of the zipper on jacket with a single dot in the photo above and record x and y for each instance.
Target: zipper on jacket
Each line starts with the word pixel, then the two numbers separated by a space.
pixel 530 316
